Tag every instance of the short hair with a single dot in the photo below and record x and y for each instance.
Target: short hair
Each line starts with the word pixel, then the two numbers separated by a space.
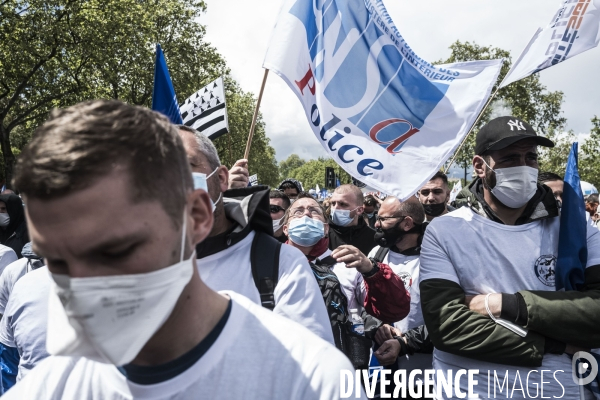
pixel 370 201
pixel 205 146
pixel 440 175
pixel 78 145
pixel 348 188
pixel 548 177
pixel 276 194
pixel 413 208
pixel 592 198
pixel 289 185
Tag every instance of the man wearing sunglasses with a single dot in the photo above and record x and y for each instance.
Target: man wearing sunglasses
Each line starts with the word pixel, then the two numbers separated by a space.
pixel 435 196
pixel 279 202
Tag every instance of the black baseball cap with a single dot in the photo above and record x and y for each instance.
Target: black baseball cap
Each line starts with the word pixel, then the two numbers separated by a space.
pixel 501 132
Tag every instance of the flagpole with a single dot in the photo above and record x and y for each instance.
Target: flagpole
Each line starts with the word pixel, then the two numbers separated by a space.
pixel 471 130
pixel 255 116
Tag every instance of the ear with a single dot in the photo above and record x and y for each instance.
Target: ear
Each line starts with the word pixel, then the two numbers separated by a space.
pixel 360 210
pixel 223 174
pixel 479 166
pixel 285 229
pixel 201 217
pixel 448 195
pixel 410 223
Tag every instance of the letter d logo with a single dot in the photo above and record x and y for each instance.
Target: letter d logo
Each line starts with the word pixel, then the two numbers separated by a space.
pixel 579 366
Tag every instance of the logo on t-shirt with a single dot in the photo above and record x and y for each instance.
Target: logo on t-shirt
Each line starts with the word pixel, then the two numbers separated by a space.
pixel 406 279
pixel 544 269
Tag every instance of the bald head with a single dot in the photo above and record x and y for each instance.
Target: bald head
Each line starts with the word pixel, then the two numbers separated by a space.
pixel 411 207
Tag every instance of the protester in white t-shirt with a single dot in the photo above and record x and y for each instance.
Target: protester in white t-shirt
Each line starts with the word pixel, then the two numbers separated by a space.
pixel 224 258
pixel 126 291
pixel 7 256
pixel 503 251
pixel 13 272
pixel 23 326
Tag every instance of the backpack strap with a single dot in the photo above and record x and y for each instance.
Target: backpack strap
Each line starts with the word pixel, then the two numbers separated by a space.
pixel 264 259
pixel 328 261
pixel 381 253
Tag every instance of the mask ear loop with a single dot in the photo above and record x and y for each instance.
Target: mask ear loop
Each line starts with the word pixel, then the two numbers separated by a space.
pixel 183 234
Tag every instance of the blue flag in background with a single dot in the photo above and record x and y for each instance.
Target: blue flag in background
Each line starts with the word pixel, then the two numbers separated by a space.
pixel 572 238
pixel 163 94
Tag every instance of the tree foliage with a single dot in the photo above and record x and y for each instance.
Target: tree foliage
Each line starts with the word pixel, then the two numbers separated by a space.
pixel 527 99
pixel 55 53
pixel 289 164
pixel 312 173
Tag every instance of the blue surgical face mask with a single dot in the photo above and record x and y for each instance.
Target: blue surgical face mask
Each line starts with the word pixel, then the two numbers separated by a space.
pixel 341 217
pixel 200 183
pixel 306 231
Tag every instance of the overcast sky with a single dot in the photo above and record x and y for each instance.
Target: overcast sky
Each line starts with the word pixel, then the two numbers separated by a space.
pixel 240 30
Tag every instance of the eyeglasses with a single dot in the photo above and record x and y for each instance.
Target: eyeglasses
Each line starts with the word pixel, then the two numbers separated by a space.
pixel 275 208
pixel 300 211
pixel 381 220
pixel 425 192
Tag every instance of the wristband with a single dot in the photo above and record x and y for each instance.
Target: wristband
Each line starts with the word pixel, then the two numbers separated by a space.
pixel 373 270
pixel 507 324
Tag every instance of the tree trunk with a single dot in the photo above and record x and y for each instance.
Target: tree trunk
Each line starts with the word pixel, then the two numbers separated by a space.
pixel 9 158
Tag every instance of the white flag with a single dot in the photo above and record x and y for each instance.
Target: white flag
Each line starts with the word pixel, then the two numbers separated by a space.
pixel 574 29
pixel 389 118
pixel 206 110
pixel 455 190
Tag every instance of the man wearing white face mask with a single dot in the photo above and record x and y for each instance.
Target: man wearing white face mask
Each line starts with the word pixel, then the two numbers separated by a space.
pixel 347 224
pixel 487 274
pixel 129 315
pixel 241 241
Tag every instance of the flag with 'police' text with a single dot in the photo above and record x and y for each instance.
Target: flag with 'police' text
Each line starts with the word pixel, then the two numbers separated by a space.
pixel 389 118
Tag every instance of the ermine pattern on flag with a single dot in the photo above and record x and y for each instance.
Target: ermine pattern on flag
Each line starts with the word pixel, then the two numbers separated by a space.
pixel 206 110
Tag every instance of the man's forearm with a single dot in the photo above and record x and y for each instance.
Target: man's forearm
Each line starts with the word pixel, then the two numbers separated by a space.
pixel 386 297
pixel 456 329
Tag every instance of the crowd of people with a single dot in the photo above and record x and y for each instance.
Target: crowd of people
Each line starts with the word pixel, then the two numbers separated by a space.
pixel 134 265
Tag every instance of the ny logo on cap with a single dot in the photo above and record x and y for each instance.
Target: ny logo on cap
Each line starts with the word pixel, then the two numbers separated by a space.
pixel 516 124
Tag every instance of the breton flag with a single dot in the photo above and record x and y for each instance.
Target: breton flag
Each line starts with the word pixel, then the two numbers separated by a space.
pixel 253 180
pixel 574 29
pixel 163 95
pixel 206 111
pixel 389 118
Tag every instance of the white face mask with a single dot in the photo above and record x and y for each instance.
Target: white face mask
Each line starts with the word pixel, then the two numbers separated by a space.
pixel 4 220
pixel 342 217
pixel 200 183
pixel 110 318
pixel 515 186
pixel 277 224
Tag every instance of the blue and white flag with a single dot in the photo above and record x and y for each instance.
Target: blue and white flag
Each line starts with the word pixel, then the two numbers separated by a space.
pixel 253 180
pixel 574 29
pixel 388 117
pixel 572 237
pixel 206 110
pixel 163 94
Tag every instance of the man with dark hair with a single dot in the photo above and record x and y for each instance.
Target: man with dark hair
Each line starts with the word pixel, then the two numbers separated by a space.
pixel 279 203
pixel 554 182
pixel 371 207
pixel 591 205
pixel 488 291
pixel 435 196
pixel 242 220
pixel 348 227
pixel 125 289
pixel 291 188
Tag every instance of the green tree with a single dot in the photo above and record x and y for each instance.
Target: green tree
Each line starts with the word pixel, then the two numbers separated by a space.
pixel 55 53
pixel 554 159
pixel 289 164
pixel 527 99
pixel 588 155
pixel 312 173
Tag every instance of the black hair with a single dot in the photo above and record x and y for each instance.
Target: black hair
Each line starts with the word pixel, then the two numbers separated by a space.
pixel 276 194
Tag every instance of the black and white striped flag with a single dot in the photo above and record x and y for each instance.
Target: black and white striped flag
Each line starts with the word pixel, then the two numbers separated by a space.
pixel 206 111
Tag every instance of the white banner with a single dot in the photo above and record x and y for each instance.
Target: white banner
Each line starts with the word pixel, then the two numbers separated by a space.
pixel 389 118
pixel 574 29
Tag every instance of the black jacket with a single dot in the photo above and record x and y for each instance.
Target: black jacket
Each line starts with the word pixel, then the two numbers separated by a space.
pixel 15 234
pixel 360 236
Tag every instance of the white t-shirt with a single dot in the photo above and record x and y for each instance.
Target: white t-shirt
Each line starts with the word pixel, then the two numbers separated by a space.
pixel 407 269
pixel 297 294
pixel 9 277
pixel 7 256
pixel 483 257
pixel 25 321
pixel 351 281
pixel 258 355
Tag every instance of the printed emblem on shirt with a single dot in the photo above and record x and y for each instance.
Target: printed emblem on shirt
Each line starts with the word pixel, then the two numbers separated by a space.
pixel 406 279
pixel 544 269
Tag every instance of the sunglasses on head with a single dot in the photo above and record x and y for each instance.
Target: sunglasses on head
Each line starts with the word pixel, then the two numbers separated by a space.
pixel 275 209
